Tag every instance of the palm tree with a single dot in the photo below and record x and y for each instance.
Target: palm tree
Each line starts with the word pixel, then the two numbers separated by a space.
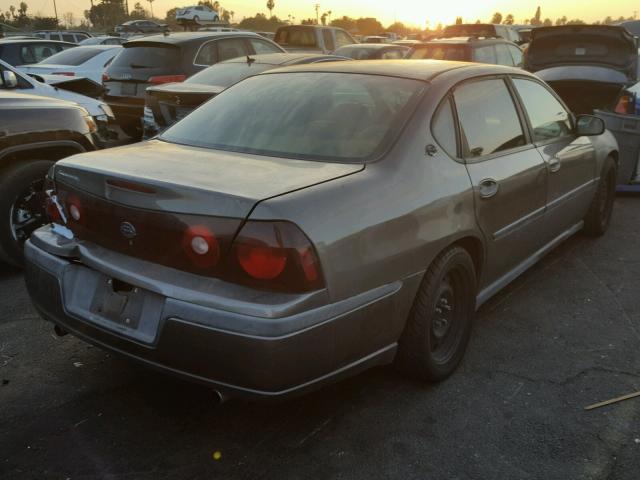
pixel 270 5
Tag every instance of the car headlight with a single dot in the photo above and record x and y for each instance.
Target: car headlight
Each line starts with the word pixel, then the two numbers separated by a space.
pixel 93 128
pixel 107 110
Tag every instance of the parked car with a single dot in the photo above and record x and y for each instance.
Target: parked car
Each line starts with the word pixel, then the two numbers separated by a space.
pixel 495 51
pixel 103 40
pixel 372 51
pixel 60 89
pixel 63 35
pixel 196 14
pixel 166 59
pixel 36 132
pixel 26 51
pixel 588 65
pixel 486 30
pixel 269 35
pixel 81 61
pixel 166 104
pixel 375 39
pixel 312 38
pixel 407 42
pixel 141 26
pixel 318 220
pixel 632 26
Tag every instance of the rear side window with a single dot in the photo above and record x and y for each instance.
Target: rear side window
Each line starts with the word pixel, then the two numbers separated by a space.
pixel 503 55
pixel 516 54
pixel 548 118
pixel 444 129
pixel 148 56
pixel 488 118
pixel 54 36
pixel 484 54
pixel 328 39
pixel 231 48
pixel 35 53
pixel 343 39
pixel 260 46
pixel 68 38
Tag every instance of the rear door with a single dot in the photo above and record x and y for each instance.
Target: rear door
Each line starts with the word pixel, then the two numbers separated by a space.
pixel 569 159
pixel 508 175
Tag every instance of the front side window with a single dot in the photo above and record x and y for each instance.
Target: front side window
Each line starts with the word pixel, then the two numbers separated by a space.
pixel 549 119
pixel 68 38
pixel 54 36
pixel 485 54
pixel 35 53
pixel 516 54
pixel 343 39
pixel 328 39
pixel 231 48
pixel 296 37
pixel 260 46
pixel 503 55
pixel 488 118
pixel 311 116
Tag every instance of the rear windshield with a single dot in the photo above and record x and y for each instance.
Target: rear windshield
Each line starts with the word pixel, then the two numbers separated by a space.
pixel 357 53
pixel 147 55
pixel 439 52
pixel 315 116
pixel 72 56
pixel 296 37
pixel 226 74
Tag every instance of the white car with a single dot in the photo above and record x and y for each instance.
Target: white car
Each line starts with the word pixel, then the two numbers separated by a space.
pixel 100 111
pixel 197 14
pixel 83 61
pixel 103 40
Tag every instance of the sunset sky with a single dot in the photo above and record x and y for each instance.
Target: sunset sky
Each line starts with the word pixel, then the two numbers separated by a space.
pixel 409 11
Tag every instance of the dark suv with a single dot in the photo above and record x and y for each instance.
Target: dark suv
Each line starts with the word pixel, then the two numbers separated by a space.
pixel 494 50
pixel 34 133
pixel 26 50
pixel 162 59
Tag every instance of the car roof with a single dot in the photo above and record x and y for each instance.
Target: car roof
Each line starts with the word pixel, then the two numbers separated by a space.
pixel 371 46
pixel 39 40
pixel 187 37
pixel 425 70
pixel 467 40
pixel 279 58
pixel 96 47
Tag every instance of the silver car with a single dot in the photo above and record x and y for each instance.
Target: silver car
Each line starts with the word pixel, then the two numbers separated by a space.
pixel 313 221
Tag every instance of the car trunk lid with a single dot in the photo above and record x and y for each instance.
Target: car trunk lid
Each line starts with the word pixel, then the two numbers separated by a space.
pixel 177 100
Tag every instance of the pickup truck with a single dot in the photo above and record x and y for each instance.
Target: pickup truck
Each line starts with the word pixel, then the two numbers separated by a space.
pixel 312 38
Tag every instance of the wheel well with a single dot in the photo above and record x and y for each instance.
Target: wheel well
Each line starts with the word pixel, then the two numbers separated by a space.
pixel 615 155
pixel 475 248
pixel 53 153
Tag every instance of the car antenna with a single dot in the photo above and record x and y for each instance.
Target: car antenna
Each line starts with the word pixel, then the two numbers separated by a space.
pixel 250 60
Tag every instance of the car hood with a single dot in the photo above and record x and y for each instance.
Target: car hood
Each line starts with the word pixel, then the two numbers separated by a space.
pixel 192 179
pixel 187 88
pixel 571 45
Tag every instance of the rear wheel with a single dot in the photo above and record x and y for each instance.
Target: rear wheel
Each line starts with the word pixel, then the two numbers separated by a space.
pixel 598 218
pixel 22 207
pixel 439 325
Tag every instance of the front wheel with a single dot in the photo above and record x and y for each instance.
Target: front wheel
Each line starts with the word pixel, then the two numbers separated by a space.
pixel 598 218
pixel 439 325
pixel 22 207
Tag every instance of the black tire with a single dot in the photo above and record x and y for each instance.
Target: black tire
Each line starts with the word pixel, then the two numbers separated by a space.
pixel 439 324
pixel 196 19
pixel 22 207
pixel 598 218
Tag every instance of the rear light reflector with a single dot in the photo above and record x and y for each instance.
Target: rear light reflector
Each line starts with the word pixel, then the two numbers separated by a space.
pixel 160 79
pixel 74 211
pixel 201 246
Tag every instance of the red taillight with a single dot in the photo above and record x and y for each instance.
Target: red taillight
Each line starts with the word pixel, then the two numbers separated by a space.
pixel 160 79
pixel 105 77
pixel 66 74
pixel 626 104
pixel 277 256
pixel 201 246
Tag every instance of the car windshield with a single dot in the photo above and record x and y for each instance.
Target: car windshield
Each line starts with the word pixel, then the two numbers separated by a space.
pixel 72 56
pixel 314 116
pixel 145 55
pixel 296 37
pixel 226 74
pixel 439 52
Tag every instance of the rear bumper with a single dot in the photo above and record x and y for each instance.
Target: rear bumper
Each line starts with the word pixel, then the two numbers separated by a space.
pixel 288 356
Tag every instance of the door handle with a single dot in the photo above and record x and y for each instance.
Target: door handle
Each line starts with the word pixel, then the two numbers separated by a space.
pixel 488 188
pixel 554 164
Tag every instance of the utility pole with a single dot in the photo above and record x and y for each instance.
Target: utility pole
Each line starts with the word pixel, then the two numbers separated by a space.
pixel 55 9
pixel 317 14
pixel 151 6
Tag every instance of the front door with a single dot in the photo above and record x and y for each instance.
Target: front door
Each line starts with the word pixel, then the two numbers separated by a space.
pixel 570 160
pixel 508 175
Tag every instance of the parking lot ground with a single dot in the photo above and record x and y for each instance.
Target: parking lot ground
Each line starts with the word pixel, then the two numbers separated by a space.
pixel 565 335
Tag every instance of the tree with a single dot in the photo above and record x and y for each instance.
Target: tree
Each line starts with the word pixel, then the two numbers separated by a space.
pixel 497 18
pixel 138 12
pixel 44 23
pixel 270 6
pixel 260 23
pixel 535 21
pixel 107 14
pixel 547 22
pixel 398 28
pixel 369 26
pixel 509 19
pixel 170 16
pixel 459 21
pixel 309 21
pixel 562 20
pixel 576 21
pixel 68 19
pixel 346 23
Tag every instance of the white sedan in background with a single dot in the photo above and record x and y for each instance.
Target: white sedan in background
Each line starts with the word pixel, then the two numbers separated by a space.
pixel 197 14
pixel 83 61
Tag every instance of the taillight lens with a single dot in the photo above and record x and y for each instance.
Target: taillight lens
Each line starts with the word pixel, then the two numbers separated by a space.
pixel 626 104
pixel 201 246
pixel 160 79
pixel 276 255
pixel 105 77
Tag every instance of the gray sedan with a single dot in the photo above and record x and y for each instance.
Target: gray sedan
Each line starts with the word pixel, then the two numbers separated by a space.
pixel 313 221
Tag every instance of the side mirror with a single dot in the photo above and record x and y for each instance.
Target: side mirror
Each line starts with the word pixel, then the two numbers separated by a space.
pixel 588 126
pixel 9 79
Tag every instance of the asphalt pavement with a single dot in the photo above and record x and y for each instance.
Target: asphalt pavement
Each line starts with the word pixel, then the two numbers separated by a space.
pixel 565 335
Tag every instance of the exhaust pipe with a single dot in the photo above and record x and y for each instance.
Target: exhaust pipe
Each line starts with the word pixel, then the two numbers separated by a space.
pixel 59 331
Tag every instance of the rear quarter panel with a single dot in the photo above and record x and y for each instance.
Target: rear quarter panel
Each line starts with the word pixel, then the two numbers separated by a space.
pixel 388 221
